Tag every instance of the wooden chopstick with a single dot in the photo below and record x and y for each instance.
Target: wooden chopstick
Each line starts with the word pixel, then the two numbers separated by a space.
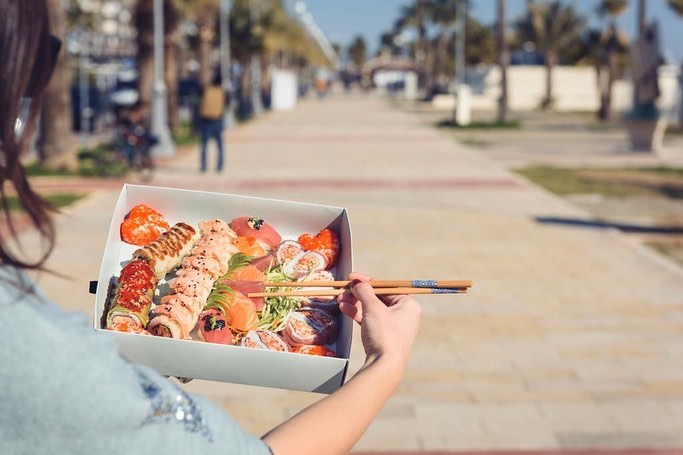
pixel 378 291
pixel 428 284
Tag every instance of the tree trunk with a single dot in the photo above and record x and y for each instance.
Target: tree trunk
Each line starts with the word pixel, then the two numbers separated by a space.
pixel 550 59
pixel 602 89
pixel 642 17
pixel 611 72
pixel 440 69
pixel 57 146
pixel 502 64
pixel 421 50
pixel 206 36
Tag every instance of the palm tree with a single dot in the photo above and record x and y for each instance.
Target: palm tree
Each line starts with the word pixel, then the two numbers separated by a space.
pixel 551 27
pixel 57 148
pixel 443 14
pixel 416 16
pixel 204 14
pixel 677 6
pixel 611 43
pixel 143 21
pixel 502 63
pixel 357 52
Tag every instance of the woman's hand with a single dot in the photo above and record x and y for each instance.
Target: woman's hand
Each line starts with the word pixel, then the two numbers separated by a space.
pixel 388 324
pixel 388 327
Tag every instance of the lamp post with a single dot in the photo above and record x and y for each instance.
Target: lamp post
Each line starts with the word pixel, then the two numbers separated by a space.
pixel 226 64
pixel 165 145
pixel 461 114
pixel 255 64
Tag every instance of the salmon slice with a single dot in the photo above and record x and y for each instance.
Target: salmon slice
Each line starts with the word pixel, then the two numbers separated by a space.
pixel 249 246
pixel 245 280
pixel 241 315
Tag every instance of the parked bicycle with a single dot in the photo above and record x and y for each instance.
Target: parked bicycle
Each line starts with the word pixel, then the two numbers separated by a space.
pixel 130 149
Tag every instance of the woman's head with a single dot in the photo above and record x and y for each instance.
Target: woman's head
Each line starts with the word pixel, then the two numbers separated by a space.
pixel 26 62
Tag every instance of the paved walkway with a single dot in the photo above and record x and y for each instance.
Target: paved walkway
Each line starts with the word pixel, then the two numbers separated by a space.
pixel 571 337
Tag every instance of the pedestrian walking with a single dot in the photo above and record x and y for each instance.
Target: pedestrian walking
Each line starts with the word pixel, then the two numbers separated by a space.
pixel 211 110
pixel 63 386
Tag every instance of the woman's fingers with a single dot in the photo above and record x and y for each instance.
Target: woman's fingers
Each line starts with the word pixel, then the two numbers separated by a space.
pixel 349 303
pixel 353 276
pixel 351 310
pixel 366 294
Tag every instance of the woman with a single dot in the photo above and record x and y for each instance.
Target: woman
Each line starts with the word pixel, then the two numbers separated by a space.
pixel 64 388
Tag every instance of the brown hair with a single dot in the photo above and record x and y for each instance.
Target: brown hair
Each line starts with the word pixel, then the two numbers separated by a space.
pixel 25 69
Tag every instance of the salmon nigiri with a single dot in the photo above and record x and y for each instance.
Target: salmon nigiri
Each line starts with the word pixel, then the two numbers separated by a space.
pixel 249 246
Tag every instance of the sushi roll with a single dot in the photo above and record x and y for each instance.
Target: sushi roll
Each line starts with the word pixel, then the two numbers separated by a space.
pixel 128 326
pixel 314 350
pixel 325 242
pixel 166 252
pixel 264 339
pixel 134 293
pixel 287 251
pixel 303 264
pixel 178 313
pixel 310 326
pixel 327 303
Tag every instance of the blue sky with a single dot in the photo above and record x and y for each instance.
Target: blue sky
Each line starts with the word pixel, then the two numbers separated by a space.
pixel 341 20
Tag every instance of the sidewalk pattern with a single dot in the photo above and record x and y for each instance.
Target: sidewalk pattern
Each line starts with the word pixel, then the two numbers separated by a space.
pixel 572 337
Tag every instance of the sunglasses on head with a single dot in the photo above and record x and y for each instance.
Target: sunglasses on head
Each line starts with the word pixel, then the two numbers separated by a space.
pixel 40 76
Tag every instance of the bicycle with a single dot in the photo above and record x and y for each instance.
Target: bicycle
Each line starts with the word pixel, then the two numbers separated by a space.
pixel 136 143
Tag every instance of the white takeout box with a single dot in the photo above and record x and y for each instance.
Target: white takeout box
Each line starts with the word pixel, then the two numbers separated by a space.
pixel 201 360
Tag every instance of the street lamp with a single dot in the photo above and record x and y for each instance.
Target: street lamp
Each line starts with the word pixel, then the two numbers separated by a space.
pixel 461 113
pixel 255 64
pixel 165 145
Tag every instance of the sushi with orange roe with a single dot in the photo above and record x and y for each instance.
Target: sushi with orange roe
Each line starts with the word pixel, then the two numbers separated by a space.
pixel 325 242
pixel 143 225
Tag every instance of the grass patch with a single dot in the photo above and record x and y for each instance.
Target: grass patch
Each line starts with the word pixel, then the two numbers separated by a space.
pixel 474 142
pixel 186 135
pixel 58 200
pixel 35 169
pixel 571 181
pixel 673 249
pixel 481 125
pixel 98 161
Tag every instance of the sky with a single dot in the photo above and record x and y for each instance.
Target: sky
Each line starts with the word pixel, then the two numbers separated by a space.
pixel 342 20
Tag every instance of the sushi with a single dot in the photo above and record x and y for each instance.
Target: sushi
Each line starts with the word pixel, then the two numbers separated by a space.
pixel 178 313
pixel 327 303
pixel 310 326
pixel 133 298
pixel 166 252
pixel 213 328
pixel 142 226
pixel 314 350
pixel 264 339
pixel 304 263
pixel 257 228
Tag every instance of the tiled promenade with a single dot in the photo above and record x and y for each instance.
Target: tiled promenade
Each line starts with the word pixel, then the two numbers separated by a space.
pixel 571 337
